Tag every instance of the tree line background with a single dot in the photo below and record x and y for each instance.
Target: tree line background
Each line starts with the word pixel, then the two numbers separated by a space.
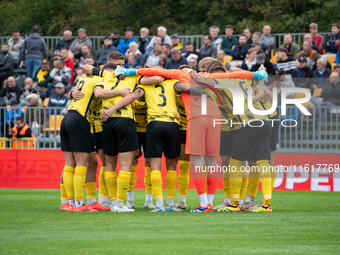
pixel 187 17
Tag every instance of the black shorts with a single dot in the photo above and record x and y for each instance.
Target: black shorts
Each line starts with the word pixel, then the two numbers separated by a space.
pixel 75 133
pixel 252 143
pixel 162 136
pixel 227 141
pixel 275 129
pixel 141 143
pixel 183 136
pixel 98 140
pixel 119 135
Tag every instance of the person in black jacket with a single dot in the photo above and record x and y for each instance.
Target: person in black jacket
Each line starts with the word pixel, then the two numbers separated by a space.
pixel 6 63
pixel 262 60
pixel 101 55
pixel 240 51
pixel 10 91
pixel 63 43
pixel 303 74
pixel 332 41
pixel 320 75
pixel 190 50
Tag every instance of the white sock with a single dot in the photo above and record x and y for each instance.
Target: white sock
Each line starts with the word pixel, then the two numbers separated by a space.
pixel 159 203
pixel 64 202
pixel 210 199
pixel 113 203
pixel 148 197
pixel 170 202
pixel 102 200
pixel 91 201
pixel 203 200
pixel 120 204
pixel 250 199
pixel 79 203
pixel 183 199
pixel 240 201
pixel 130 195
pixel 71 201
pixel 227 200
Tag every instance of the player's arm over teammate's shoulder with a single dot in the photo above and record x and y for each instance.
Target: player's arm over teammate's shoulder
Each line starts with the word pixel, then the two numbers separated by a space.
pixel 102 93
pixel 180 87
pixel 75 94
pixel 150 80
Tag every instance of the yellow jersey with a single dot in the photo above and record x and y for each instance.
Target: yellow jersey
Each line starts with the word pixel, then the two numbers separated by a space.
pixel 161 101
pixel 140 114
pixel 181 112
pixel 267 104
pixel 89 102
pixel 111 82
pixel 97 123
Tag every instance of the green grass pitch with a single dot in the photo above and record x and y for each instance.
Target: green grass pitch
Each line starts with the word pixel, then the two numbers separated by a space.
pixel 301 223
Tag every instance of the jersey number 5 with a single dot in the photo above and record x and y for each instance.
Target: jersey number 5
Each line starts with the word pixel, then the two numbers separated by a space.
pixel 161 95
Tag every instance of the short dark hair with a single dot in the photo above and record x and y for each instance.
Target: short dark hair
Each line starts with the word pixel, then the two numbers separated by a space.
pixel 189 43
pixel 4 44
pixel 229 27
pixel 61 61
pixel 35 29
pixel 209 37
pixel 86 46
pixel 316 56
pixel 90 56
pixel 20 118
pixel 336 25
pixel 64 49
pixel 115 55
pixel 247 28
pixel 15 31
pixel 184 66
pixel 282 49
pixel 258 34
pixel 109 66
pixel 336 67
pixel 243 34
pixel 167 45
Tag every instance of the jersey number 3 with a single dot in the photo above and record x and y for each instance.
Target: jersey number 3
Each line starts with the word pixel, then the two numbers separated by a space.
pixel 161 95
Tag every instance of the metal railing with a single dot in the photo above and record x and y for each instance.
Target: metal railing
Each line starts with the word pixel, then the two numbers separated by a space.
pixel 197 40
pixel 318 133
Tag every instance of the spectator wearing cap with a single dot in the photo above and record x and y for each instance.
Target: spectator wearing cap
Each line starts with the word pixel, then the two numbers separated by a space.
pixel 57 100
pixel 176 60
pixel 82 40
pixel 124 43
pixel 331 44
pixel 143 39
pixel 10 91
pixel 176 43
pixel 35 114
pixel 63 43
pixel 208 50
pixel 60 73
pixel 251 60
pixel 162 34
pixel 288 64
pixel 15 43
pixel 115 37
pixel 292 48
pixel 308 38
pixel 262 60
pixel 190 52
pixel 256 38
pixel 41 77
pixel 216 39
pixel 230 41
pixel 316 38
pixel 240 51
pixel 266 38
pixel 286 82
pixel 68 61
pixel 33 51
pixel 29 88
pixel 101 55
pixel 303 74
pixel 14 111
pixel 133 48
pixel 320 75
pixel 6 63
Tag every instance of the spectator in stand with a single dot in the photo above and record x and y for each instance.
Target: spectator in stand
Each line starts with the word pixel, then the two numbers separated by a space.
pixel 15 43
pixel 267 39
pixel 6 63
pixel 101 56
pixel 251 60
pixel 149 50
pixel 332 41
pixel 64 43
pixel 256 37
pixel 132 62
pixel 336 69
pixel 288 64
pixel 33 51
pixel 292 48
pixel 14 111
pixel 166 48
pixel 320 75
pixel 316 38
pixel 35 116
pixel 257 46
pixel 133 48
pixel 240 51
pixel 216 39
pixel 220 56
pixel 57 100
pixel 81 56
pixel 307 48
pixel 143 39
pixel 90 61
pixel 176 42
pixel 124 43
pixel 176 60
pixel 41 77
pixel 115 37
pixel 303 74
pixel 286 82
pixel 163 59
pixel 315 59
pixel 21 130
pixel 79 72
pixel 230 41
pixel 59 74
pixel 262 60
pixel 68 61
pixel 330 92
pixel 77 44
pixel 247 32
pixel 190 52
pixel 10 91
pixel 155 57
pixel 208 50
pixel 29 88
pixel 161 32
pixel 193 63
pixel 308 38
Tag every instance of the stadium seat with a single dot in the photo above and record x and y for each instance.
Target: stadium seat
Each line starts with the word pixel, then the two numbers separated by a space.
pixel 228 58
pixel 273 57
pixel 101 66
pixel 331 58
pixel 47 99
pixel 55 122
pixel 333 64
pixel 317 92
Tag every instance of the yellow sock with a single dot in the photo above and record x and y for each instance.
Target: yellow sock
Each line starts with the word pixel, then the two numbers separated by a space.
pixel 171 180
pixel 254 181
pixel 244 185
pixel 102 184
pixel 156 180
pixel 235 181
pixel 147 180
pixel 111 184
pixel 68 181
pixel 122 185
pixel 63 192
pixel 226 184
pixel 273 176
pixel 79 182
pixel 133 178
pixel 183 178
pixel 91 190
pixel 265 181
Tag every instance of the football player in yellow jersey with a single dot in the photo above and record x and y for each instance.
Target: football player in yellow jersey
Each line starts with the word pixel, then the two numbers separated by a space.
pixel 76 140
pixel 162 133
